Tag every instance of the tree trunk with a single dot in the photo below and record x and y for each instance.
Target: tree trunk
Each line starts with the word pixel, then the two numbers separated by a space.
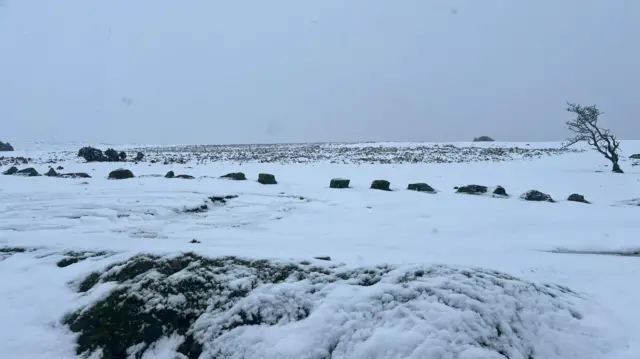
pixel 616 168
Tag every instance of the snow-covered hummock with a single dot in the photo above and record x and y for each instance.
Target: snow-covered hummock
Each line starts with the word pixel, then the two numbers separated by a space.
pixel 301 218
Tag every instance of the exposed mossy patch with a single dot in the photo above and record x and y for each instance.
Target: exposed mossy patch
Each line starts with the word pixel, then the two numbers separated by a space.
pixel 183 287
pixel 72 257
pixel 202 301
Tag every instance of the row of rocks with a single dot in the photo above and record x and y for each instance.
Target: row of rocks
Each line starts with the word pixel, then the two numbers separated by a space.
pixel 473 189
pixel 91 154
pixel 263 178
pixel 336 183
pixel 32 172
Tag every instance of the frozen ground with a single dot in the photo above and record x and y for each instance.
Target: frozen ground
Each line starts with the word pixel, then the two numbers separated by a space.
pixel 445 234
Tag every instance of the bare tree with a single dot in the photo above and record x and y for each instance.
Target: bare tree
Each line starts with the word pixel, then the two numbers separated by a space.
pixel 585 128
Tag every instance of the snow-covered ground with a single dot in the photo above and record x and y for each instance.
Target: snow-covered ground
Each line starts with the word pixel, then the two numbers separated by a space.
pixel 445 234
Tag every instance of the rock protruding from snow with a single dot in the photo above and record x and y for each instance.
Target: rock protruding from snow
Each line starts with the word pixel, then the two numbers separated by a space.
pixel 5 147
pixel 91 154
pixel 229 307
pixel 266 178
pixel 536 196
pixel 421 187
pixel 184 176
pixel 28 172
pixel 121 173
pixel 472 189
pixel 575 197
pixel 500 191
pixel 139 157
pixel 74 175
pixel 11 171
pixel 339 183
pixel 382 185
pixel 51 173
pixel 170 174
pixel 236 176
pixel 635 156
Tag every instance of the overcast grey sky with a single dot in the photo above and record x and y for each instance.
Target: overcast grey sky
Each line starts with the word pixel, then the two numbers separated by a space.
pixel 207 71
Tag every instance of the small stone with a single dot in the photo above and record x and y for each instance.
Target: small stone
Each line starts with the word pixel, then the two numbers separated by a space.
pixel 577 198
pixel 184 177
pixel 170 174
pixel 382 185
pixel 472 189
pixel 59 168
pixel 323 258
pixel 236 176
pixel 420 187
pixel 194 241
pixel 536 196
pixel 339 183
pixel 266 178
pixel 121 173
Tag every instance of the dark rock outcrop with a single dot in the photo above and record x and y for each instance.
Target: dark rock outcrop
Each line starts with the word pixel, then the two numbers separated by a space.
pixel 472 189
pixel 635 156
pixel 170 174
pixel 266 178
pixel 5 147
pixel 121 173
pixel 59 168
pixel 28 172
pixel 536 196
pixel 500 191
pixel 51 173
pixel 11 171
pixel 139 157
pixel 112 155
pixel 575 197
pixel 339 183
pixel 421 187
pixel 91 154
pixel 122 156
pixel 236 176
pixel 184 177
pixel 382 185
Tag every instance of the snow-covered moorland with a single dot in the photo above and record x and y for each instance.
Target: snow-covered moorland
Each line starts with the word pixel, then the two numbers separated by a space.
pixel 155 267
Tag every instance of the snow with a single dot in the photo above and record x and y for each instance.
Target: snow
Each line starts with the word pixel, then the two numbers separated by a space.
pixel 301 218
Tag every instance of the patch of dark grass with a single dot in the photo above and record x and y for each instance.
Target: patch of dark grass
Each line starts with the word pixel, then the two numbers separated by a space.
pixel 72 257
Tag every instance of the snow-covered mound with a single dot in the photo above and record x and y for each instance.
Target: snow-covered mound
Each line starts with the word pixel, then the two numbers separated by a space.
pixel 230 307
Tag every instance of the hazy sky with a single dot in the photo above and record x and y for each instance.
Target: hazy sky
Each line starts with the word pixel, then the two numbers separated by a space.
pixel 208 71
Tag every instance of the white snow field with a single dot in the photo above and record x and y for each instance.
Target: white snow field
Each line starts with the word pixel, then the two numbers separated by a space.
pixel 107 268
